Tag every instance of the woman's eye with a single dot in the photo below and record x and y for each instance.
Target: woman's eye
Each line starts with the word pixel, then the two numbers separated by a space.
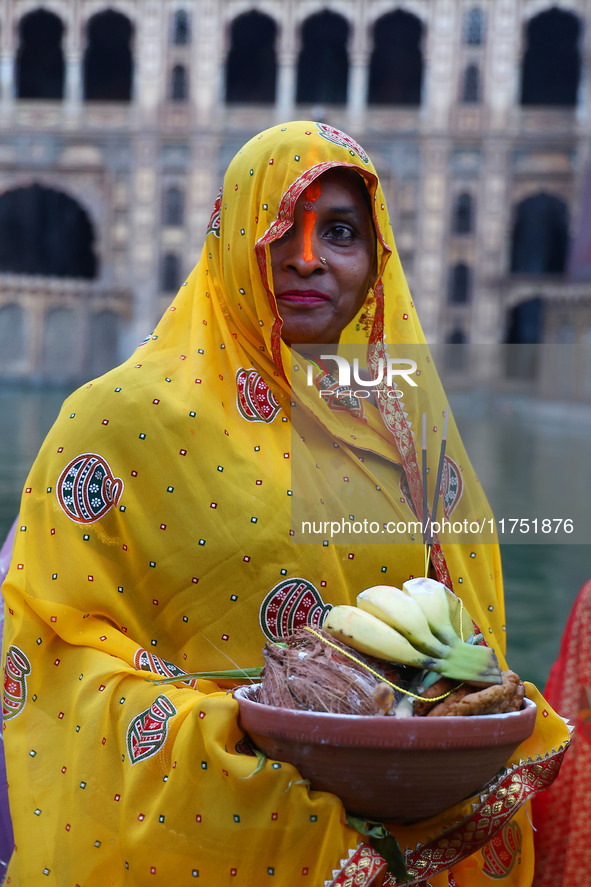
pixel 340 232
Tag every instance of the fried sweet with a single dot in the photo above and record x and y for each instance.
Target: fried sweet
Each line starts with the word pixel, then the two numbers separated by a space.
pixel 466 699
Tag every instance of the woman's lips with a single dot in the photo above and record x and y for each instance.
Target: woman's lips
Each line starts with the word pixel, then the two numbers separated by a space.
pixel 302 297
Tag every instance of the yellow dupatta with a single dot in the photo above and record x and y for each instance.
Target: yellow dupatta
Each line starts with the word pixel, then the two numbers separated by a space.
pixel 156 538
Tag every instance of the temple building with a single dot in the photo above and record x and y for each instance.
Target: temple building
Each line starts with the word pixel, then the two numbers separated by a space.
pixel 117 121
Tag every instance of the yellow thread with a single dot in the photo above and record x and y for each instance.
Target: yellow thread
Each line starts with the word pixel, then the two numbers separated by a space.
pixel 376 674
pixel 427 556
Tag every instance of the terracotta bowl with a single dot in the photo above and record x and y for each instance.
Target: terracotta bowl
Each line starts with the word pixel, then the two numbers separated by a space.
pixel 387 767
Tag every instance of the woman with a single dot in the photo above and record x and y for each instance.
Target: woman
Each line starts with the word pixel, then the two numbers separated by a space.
pixel 561 815
pixel 156 539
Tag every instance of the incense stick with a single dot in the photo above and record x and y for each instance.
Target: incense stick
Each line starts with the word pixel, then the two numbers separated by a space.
pixel 425 500
pixel 439 472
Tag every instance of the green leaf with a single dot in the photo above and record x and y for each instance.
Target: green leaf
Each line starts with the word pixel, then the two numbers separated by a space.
pixel 232 674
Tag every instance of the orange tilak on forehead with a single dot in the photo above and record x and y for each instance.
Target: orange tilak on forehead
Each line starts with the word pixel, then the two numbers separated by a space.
pixel 312 193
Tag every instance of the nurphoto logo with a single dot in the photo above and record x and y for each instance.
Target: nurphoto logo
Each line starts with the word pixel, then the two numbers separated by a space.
pixel 387 371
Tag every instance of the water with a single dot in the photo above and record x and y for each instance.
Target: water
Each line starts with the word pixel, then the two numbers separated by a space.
pixel 533 457
pixel 522 450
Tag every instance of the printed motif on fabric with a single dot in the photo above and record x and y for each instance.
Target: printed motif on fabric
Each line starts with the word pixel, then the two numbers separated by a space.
pixel 246 746
pixel 16 669
pixel 87 488
pixel 341 396
pixel 254 399
pixel 214 221
pixel 360 869
pixel 502 852
pixel 291 604
pixel 452 487
pixel 489 817
pixel 331 134
pixel 147 732
pixel 146 661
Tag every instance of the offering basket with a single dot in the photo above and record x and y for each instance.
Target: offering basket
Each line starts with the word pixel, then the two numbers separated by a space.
pixel 385 767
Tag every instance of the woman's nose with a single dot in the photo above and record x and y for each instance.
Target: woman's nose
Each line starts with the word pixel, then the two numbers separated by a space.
pixel 304 253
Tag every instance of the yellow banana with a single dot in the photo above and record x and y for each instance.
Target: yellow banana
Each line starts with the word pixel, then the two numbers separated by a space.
pixel 431 597
pixel 368 634
pixel 401 612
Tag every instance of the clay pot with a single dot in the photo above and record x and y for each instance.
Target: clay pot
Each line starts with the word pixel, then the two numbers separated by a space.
pixel 386 767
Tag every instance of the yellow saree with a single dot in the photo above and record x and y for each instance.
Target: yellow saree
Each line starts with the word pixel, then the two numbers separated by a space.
pixel 156 539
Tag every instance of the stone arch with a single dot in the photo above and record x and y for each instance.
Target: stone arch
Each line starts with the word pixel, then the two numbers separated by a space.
pixel 323 63
pixel 396 64
pixel 251 67
pixel 463 214
pixel 108 62
pixel 40 59
pixel 170 273
pixel 456 336
pixel 460 284
pixel 540 238
pixel 471 84
pixel 181 28
pixel 474 24
pixel 551 68
pixel 45 231
pixel 525 322
pixel 173 207
pixel 178 84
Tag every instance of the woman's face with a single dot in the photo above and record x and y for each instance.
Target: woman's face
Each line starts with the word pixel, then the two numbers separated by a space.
pixel 324 265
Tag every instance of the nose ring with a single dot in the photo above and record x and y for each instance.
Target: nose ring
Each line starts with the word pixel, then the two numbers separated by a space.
pixel 323 260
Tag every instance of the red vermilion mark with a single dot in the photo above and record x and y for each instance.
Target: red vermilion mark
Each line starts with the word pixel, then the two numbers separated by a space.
pixel 312 193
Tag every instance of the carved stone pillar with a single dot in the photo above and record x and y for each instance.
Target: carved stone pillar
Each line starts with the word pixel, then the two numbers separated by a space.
pixel 286 87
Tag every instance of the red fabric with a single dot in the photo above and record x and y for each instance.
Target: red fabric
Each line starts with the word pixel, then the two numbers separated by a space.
pixel 562 812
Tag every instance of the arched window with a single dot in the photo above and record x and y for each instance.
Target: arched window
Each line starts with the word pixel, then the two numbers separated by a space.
pixel 471 85
pixel 396 65
pixel 173 208
pixel 459 284
pixel 178 84
pixel 463 214
pixel 323 64
pixel 170 276
pixel 181 31
pixel 525 325
pixel 40 61
pixel 540 236
pixel 251 69
pixel 457 337
pixel 474 27
pixel 107 59
pixel 552 61
pixel 46 232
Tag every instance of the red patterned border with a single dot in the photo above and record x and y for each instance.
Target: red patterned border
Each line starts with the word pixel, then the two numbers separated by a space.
pixel 364 867
pixel 489 816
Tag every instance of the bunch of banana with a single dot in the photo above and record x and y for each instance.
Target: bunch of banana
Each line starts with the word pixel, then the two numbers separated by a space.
pixel 412 626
